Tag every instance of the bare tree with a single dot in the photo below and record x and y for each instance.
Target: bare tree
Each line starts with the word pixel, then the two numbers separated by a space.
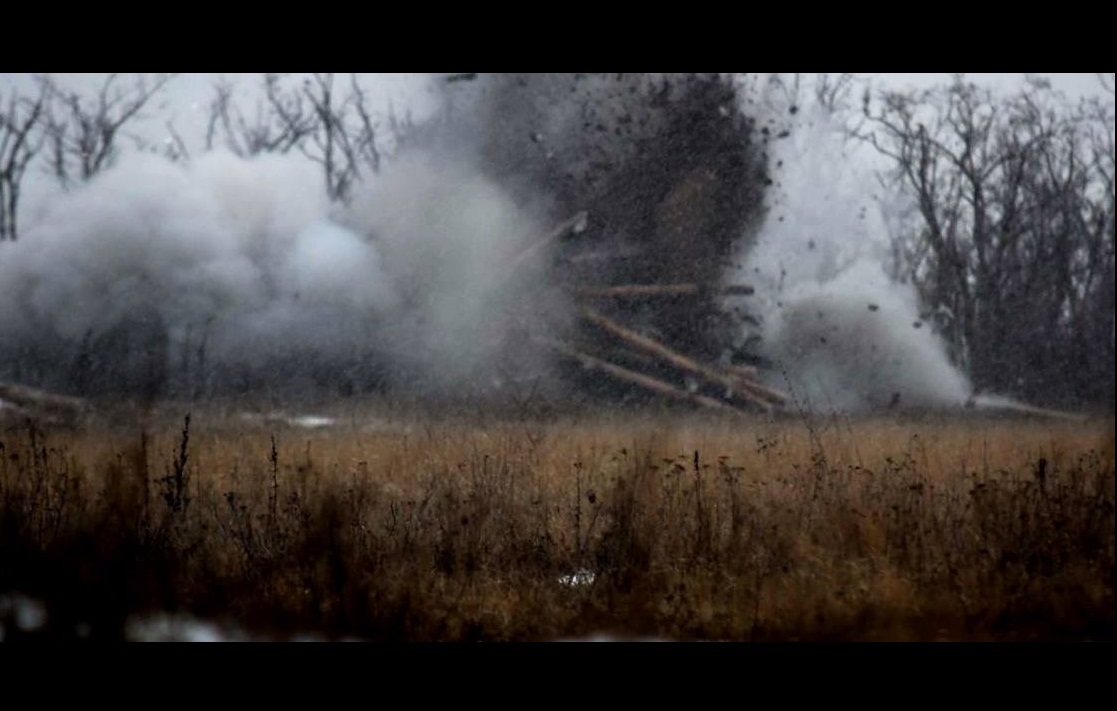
pixel 83 136
pixel 1015 240
pixel 1106 81
pixel 172 146
pixel 834 92
pixel 21 139
pixel 279 124
pixel 336 130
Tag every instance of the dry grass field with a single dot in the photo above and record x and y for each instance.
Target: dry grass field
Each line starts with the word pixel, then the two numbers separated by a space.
pixel 399 526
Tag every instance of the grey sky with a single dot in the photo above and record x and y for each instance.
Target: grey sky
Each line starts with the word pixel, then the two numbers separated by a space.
pixel 1073 85
pixel 184 102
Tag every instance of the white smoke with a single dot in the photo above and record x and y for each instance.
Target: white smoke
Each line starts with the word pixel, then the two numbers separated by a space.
pixel 855 345
pixel 242 263
pixel 450 239
pixel 841 333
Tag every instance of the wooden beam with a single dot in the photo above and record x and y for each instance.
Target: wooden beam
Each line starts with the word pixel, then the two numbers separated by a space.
pixel 654 384
pixel 649 345
pixel 661 290
pixel 756 388
pixel 742 371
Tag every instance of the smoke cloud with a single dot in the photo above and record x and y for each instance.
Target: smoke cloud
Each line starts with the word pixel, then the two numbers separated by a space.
pixel 454 247
pixel 841 334
pixel 227 275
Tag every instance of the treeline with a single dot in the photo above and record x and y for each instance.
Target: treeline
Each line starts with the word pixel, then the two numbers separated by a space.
pixel 76 136
pixel 1004 225
pixel 1009 241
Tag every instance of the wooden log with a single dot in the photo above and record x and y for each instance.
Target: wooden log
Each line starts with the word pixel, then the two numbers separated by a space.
pixel 645 381
pixel 744 386
pixel 637 290
pixel 732 384
pixel 743 371
pixel 661 290
pixel 602 255
pixel 777 397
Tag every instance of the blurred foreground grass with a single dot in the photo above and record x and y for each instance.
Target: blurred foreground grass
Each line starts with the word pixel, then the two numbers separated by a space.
pixel 679 527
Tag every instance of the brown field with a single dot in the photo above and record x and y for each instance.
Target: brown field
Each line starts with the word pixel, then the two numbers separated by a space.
pixel 401 526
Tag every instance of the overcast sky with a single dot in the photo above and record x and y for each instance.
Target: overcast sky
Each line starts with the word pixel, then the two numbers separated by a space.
pixel 1073 85
pixel 187 95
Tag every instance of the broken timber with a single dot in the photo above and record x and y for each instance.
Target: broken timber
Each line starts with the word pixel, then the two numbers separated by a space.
pixel 737 384
pixel 645 381
pixel 662 290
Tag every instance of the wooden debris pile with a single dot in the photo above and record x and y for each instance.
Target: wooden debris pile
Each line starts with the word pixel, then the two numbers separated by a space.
pixel 627 353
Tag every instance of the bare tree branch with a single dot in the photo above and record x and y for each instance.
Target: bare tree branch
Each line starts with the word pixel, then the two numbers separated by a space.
pixel 339 132
pixel 21 139
pixel 83 138
pixel 1015 196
